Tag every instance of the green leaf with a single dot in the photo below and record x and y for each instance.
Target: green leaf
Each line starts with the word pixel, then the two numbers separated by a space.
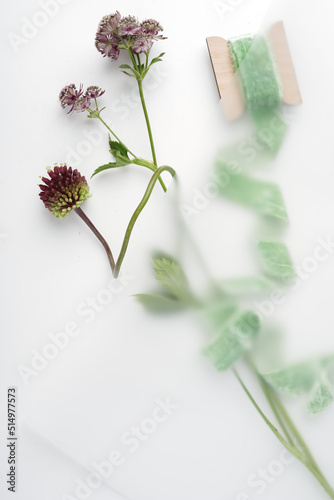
pixel 94 113
pixel 246 286
pixel 304 377
pixel 117 146
pixel 171 277
pixel 159 303
pixel 235 338
pixel 136 74
pixel 293 380
pixel 321 396
pixel 276 259
pixel 119 152
pixel 159 254
pixel 156 59
pixel 263 197
pixel 107 166
pixel 122 160
pixel 144 73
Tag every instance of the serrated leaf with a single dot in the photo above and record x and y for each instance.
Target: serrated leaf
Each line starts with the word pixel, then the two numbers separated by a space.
pixel 276 259
pixel 171 277
pixel 310 377
pixel 117 146
pixel 234 340
pixel 159 303
pixel 263 197
pixel 107 166
pixel 119 152
pixel 320 397
pixel 300 377
pixel 293 380
pixel 246 286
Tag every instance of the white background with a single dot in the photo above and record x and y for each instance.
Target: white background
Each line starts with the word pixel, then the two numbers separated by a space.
pixel 109 377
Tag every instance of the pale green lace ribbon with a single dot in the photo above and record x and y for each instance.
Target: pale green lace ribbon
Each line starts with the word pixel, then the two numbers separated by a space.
pixel 260 81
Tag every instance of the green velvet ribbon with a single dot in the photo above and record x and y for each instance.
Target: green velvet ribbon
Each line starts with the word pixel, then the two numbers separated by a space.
pixel 260 82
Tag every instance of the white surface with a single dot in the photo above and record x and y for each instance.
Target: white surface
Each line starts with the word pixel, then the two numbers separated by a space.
pixel 110 376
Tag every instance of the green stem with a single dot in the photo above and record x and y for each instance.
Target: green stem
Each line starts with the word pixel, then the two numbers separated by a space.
pixel 283 417
pixel 129 51
pixel 140 85
pixel 292 449
pixel 273 406
pixel 137 161
pixel 151 166
pixel 137 212
pixel 138 60
pixel 303 447
pixel 117 138
pixel 148 125
pixel 146 59
pixel 141 93
pixel 144 163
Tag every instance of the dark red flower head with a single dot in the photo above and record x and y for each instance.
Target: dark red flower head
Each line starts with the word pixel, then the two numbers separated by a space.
pixel 64 190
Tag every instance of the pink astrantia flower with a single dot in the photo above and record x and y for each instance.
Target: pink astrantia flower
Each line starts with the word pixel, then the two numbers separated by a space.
pixel 151 27
pixel 142 44
pixel 109 24
pixel 108 45
pixel 128 26
pixel 77 100
pixel 69 95
pixel 82 103
pixel 106 40
pixel 94 92
pixel 115 32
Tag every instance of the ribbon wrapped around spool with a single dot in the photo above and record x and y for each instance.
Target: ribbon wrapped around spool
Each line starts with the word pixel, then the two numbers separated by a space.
pixel 256 72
